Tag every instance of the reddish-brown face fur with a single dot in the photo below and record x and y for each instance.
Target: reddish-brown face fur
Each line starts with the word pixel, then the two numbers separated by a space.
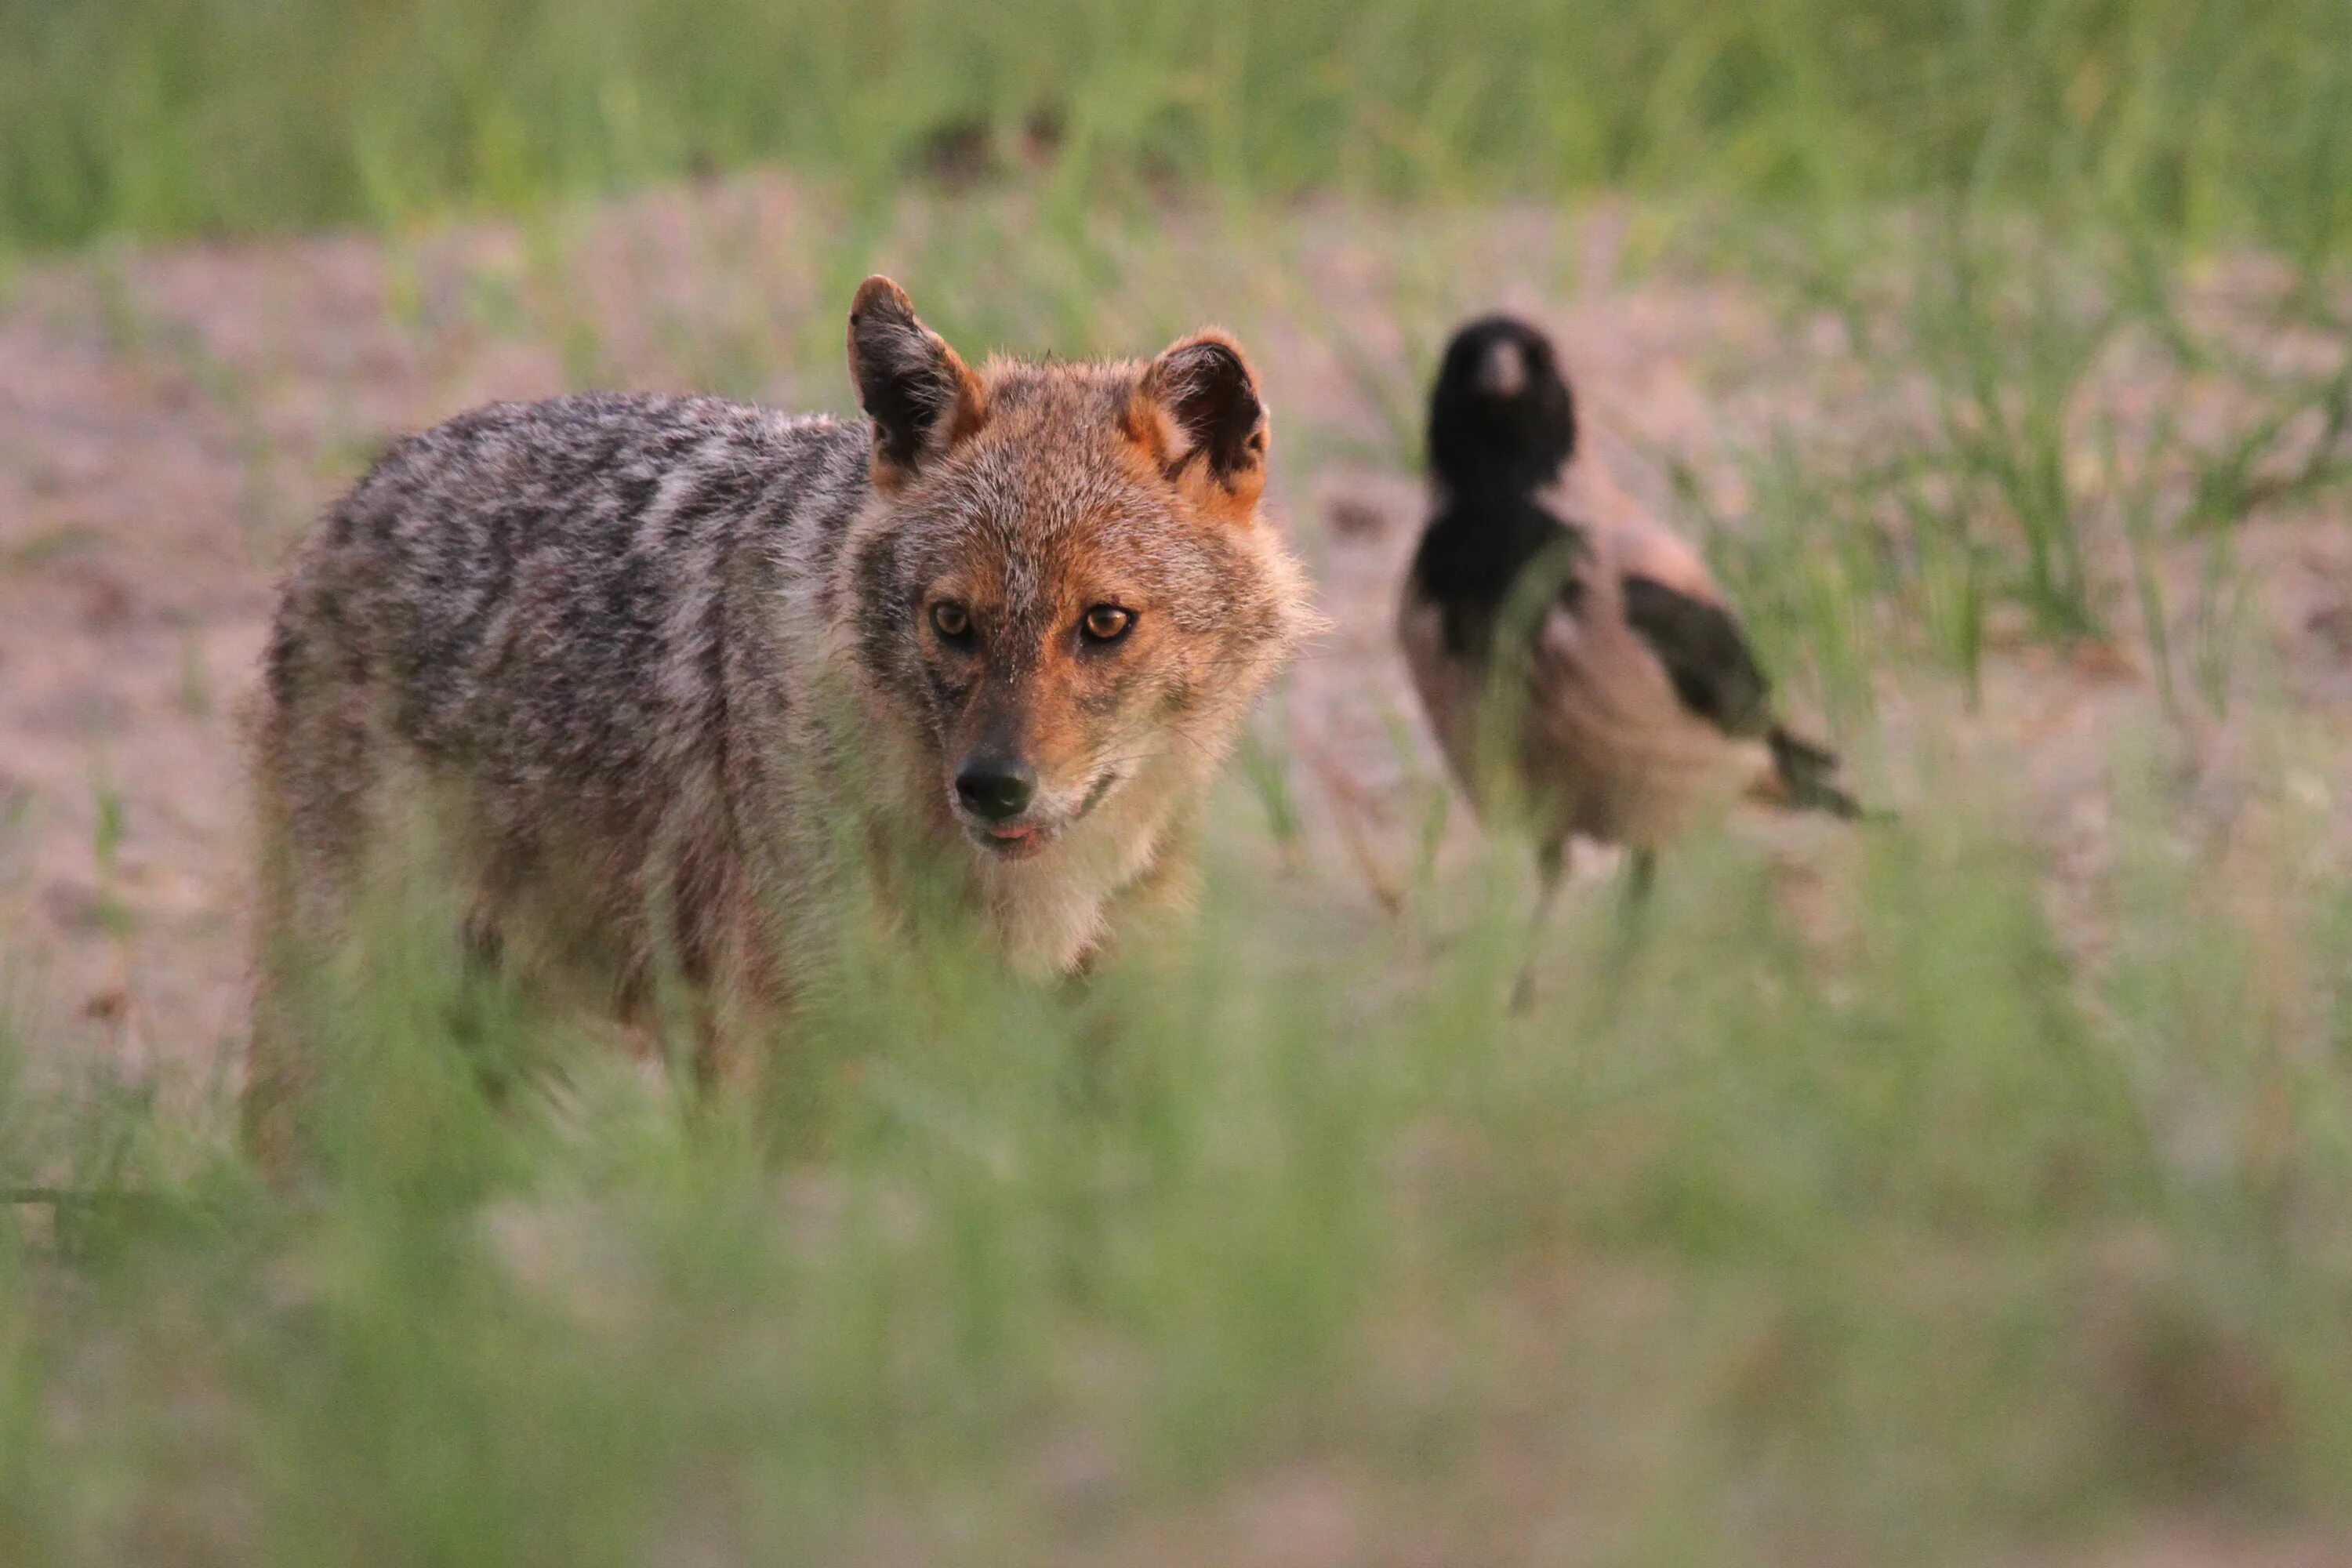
pixel 1086 488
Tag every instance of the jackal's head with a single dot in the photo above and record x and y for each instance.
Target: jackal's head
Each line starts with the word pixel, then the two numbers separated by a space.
pixel 1064 585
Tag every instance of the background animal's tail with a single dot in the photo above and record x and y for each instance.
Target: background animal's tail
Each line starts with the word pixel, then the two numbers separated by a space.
pixel 1804 778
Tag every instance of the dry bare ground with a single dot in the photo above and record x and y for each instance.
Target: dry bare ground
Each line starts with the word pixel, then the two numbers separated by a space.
pixel 169 421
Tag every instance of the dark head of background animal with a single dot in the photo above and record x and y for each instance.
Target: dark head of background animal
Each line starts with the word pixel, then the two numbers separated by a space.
pixel 1500 418
pixel 1501 426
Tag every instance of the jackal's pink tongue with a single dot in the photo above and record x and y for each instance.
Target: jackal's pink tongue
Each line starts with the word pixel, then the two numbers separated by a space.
pixel 1011 834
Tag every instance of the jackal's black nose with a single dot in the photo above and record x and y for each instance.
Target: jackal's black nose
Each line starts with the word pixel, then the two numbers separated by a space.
pixel 994 788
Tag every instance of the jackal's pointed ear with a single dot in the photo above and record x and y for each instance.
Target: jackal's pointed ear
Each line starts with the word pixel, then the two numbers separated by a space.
pixel 921 397
pixel 1197 409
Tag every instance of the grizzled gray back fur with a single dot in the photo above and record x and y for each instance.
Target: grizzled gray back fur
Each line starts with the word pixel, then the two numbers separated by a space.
pixel 622 654
pixel 562 602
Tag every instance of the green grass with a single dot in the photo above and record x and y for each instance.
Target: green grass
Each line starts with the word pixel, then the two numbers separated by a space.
pixel 2216 118
pixel 1873 1225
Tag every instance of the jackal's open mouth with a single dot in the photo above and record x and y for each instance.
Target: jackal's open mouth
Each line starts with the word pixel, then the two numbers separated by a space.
pixel 1028 834
pixel 1011 840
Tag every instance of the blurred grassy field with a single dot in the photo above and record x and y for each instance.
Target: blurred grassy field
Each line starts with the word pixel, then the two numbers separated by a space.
pixel 2209 117
pixel 1976 1190
pixel 1902 1240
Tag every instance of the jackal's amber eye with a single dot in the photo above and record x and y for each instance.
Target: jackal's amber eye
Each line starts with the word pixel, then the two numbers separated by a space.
pixel 1107 622
pixel 950 620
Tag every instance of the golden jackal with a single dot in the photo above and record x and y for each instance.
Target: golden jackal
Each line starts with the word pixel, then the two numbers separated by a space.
pixel 647 666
